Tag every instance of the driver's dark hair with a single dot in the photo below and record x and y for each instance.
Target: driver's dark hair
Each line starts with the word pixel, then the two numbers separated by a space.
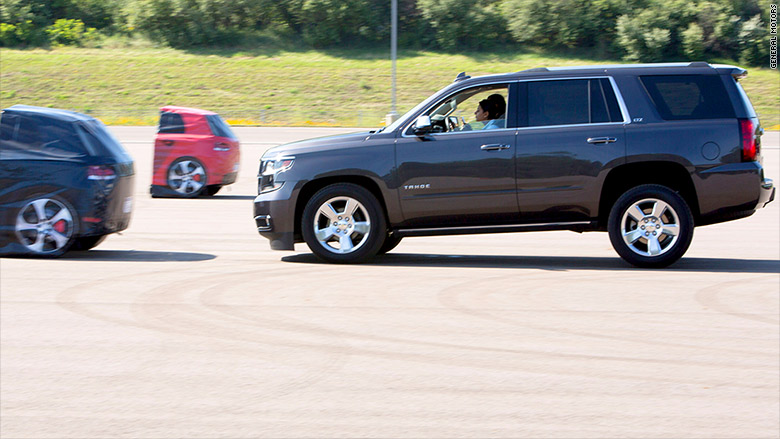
pixel 500 104
pixel 491 108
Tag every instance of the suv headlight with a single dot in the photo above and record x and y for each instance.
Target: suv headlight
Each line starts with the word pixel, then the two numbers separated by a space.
pixel 268 178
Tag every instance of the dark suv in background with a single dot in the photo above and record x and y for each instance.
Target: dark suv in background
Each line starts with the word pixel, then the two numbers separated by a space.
pixel 65 182
pixel 644 152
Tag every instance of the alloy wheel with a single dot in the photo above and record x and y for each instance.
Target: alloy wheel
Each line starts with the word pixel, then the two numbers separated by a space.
pixel 187 177
pixel 44 226
pixel 342 225
pixel 650 227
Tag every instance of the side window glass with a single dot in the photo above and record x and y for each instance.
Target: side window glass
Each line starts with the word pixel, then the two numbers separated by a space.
pixel 615 115
pixel 558 102
pixel 685 97
pixel 8 127
pixel 598 104
pixel 171 123
pixel 572 102
pixel 478 108
pixel 59 139
pixel 27 134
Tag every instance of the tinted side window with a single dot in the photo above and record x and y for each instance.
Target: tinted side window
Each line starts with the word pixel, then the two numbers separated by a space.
pixel 574 101
pixel 27 133
pixel 171 123
pixel 683 97
pixel 558 102
pixel 59 138
pixel 8 127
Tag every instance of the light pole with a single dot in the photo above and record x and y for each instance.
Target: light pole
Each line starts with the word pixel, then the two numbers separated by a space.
pixel 393 115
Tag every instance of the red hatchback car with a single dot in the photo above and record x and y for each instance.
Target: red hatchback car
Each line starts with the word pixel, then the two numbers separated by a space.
pixel 195 153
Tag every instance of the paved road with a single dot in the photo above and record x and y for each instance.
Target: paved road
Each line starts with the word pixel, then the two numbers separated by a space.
pixel 187 325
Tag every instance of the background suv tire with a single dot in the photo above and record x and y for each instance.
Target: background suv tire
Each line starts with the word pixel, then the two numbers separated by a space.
pixel 344 223
pixel 650 226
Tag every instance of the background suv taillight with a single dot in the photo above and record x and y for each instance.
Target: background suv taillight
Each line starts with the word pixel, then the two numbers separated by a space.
pixel 747 133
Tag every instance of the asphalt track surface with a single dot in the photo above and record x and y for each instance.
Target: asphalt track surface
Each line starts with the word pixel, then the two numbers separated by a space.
pixel 188 326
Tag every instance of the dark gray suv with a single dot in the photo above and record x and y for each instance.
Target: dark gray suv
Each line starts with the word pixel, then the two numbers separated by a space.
pixel 644 152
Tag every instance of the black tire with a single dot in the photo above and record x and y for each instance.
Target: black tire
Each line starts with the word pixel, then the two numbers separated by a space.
pixel 46 225
pixel 84 243
pixel 390 243
pixel 187 177
pixel 212 189
pixel 650 226
pixel 351 230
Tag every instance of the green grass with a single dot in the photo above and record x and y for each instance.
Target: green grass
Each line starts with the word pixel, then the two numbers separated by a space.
pixel 267 86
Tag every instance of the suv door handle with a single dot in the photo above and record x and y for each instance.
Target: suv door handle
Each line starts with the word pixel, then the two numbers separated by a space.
pixel 493 147
pixel 598 140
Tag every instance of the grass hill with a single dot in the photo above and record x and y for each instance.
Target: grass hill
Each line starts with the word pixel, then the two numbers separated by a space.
pixel 267 86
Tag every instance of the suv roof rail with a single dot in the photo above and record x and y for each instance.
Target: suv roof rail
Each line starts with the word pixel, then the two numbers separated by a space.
pixel 535 69
pixel 699 64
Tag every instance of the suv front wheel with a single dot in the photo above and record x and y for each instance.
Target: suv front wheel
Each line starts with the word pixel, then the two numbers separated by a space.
pixel 650 226
pixel 343 223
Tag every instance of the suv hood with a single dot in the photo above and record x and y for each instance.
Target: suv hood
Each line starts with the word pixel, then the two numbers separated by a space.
pixel 319 144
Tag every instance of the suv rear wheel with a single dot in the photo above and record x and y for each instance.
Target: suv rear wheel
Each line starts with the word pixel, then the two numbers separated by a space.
pixel 343 223
pixel 650 226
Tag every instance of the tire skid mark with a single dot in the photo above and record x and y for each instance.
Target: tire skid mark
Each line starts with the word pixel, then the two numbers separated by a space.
pixel 451 300
pixel 709 297
pixel 453 356
pixel 187 320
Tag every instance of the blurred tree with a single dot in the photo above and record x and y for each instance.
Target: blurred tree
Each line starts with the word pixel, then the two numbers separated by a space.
pixel 754 43
pixel 459 24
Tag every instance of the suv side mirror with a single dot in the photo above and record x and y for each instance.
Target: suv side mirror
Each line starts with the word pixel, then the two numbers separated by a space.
pixel 422 126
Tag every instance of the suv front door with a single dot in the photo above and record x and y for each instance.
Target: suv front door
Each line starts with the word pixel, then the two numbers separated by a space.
pixel 571 134
pixel 460 174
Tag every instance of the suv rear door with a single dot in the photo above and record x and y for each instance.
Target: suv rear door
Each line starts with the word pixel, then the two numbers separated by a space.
pixel 572 133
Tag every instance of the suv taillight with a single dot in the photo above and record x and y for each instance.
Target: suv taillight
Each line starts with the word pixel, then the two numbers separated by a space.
pixel 100 173
pixel 747 132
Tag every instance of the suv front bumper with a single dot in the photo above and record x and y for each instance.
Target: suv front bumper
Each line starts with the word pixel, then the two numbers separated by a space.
pixel 274 214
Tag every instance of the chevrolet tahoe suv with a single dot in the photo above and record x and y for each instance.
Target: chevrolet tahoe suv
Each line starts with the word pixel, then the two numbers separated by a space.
pixel 643 152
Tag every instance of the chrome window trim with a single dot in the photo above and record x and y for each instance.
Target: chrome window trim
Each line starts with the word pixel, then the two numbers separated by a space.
pixel 618 95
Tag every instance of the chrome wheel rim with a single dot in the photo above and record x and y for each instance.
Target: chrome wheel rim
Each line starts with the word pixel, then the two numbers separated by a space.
pixel 650 227
pixel 342 225
pixel 44 225
pixel 187 177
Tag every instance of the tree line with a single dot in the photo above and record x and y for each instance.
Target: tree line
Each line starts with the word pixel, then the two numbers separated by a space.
pixel 635 30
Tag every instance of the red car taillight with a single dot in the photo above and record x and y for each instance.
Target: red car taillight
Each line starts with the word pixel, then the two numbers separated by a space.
pixel 221 146
pixel 100 173
pixel 747 132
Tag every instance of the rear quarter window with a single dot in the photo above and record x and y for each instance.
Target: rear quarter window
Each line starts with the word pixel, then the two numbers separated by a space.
pixel 687 97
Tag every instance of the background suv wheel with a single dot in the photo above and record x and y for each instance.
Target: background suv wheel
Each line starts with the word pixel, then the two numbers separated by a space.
pixel 343 223
pixel 650 226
